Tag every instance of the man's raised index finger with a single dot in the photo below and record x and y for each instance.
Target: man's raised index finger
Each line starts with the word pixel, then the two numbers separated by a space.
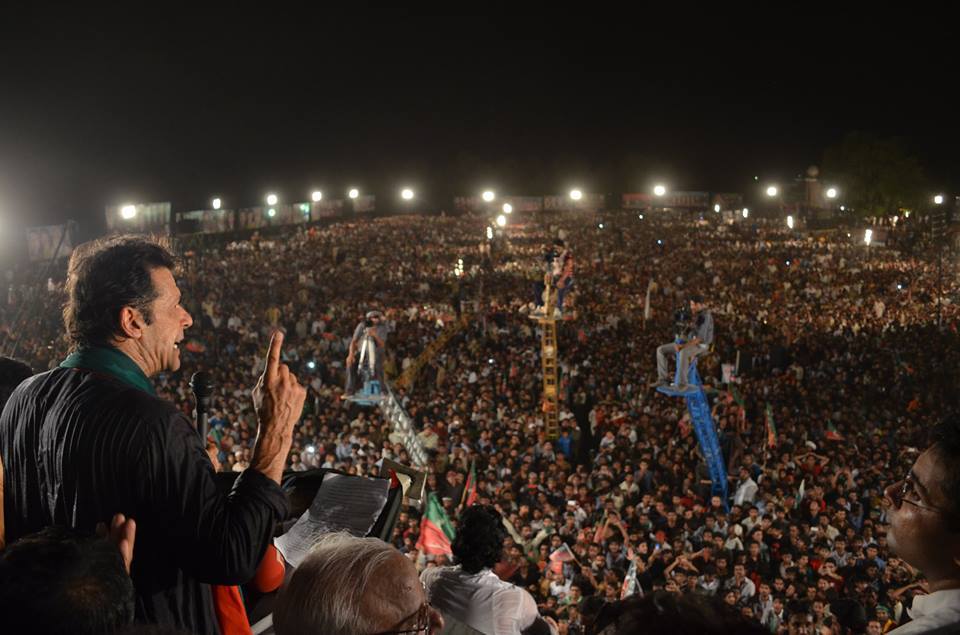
pixel 273 354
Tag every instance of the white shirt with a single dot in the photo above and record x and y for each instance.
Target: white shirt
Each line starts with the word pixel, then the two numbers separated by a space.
pixel 746 492
pixel 939 610
pixel 481 601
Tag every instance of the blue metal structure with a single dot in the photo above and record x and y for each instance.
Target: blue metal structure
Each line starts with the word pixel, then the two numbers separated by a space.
pixel 703 426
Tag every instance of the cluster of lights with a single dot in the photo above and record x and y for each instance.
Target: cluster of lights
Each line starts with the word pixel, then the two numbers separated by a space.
pixel 129 211
pixel 458 268
pixel 868 237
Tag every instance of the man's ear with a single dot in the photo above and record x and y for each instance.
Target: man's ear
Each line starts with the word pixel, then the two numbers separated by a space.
pixel 131 322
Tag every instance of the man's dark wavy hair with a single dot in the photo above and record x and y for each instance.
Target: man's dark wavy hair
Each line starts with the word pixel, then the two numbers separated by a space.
pixel 479 541
pixel 104 276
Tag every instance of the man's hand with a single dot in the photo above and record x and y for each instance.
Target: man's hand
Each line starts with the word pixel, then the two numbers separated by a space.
pixel 122 533
pixel 278 400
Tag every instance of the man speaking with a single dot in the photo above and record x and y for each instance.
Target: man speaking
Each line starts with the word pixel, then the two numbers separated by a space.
pixel 90 439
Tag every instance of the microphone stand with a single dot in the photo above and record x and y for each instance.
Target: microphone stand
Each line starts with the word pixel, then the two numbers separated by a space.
pixel 202 387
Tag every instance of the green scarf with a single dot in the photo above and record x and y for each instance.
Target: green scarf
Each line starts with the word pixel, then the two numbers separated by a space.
pixel 111 362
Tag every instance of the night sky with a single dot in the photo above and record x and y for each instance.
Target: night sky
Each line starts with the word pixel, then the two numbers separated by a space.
pixel 101 109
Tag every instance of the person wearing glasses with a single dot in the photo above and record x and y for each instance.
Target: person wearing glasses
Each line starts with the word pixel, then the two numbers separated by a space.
pixel 923 512
pixel 354 586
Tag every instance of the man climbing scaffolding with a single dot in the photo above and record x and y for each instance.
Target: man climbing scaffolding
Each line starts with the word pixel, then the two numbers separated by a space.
pixel 559 266
pixel 690 344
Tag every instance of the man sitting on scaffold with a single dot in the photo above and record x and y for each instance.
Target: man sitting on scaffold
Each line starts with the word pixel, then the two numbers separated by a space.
pixel 698 328
pixel 369 341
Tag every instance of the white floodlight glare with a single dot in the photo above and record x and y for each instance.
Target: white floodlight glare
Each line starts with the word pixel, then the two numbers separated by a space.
pixel 489 233
pixel 501 221
pixel 790 222
pixel 832 192
pixel 746 212
pixel 659 190
pixel 938 199
pixel 271 199
pixel 128 211
pixel 716 208
pixel 772 191
pixel 271 212
pixel 507 208
pixel 216 203
pixel 576 195
pixel 406 194
pixel 600 226
pixel 316 196
pixel 488 196
pixel 868 237
pixel 353 193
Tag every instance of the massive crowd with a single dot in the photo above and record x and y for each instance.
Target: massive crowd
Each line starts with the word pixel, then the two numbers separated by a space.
pixel 827 374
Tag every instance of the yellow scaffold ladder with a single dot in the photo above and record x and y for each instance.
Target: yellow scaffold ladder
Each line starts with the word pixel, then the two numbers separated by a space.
pixel 549 352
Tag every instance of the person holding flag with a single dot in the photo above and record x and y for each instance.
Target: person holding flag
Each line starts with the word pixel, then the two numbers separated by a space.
pixel 470 596
pixel 436 530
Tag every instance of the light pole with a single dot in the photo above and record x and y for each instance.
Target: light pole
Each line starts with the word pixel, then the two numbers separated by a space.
pixel 938 201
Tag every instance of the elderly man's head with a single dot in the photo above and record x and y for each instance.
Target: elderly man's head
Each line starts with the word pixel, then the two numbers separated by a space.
pixel 350 585
pixel 924 508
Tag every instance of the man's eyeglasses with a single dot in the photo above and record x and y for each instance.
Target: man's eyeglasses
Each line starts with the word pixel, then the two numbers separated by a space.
pixel 422 624
pixel 907 493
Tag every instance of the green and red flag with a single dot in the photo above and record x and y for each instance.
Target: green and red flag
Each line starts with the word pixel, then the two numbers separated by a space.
pixel 560 556
pixel 771 428
pixel 436 530
pixel 832 433
pixel 737 396
pixel 601 529
pixel 470 489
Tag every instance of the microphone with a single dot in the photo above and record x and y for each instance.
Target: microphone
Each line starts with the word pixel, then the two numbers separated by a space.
pixel 202 385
